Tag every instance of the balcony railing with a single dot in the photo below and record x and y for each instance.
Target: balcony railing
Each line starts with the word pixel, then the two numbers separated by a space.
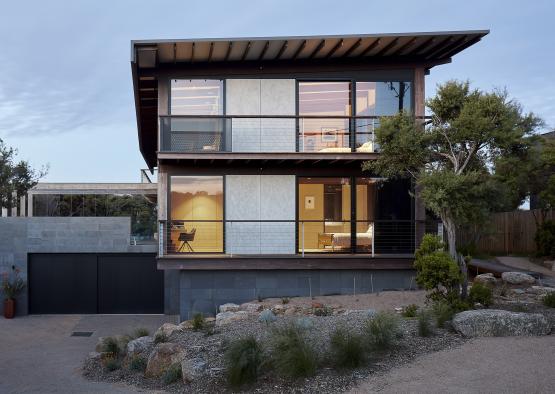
pixel 327 134
pixel 286 237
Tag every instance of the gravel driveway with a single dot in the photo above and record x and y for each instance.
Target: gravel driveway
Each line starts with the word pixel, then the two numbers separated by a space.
pixel 484 365
pixel 38 355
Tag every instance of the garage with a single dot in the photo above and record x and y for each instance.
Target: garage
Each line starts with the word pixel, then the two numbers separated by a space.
pixel 89 283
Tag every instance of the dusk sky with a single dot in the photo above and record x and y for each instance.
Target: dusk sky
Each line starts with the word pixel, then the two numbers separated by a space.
pixel 66 96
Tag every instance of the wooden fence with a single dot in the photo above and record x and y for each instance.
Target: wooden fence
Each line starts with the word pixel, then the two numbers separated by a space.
pixel 508 233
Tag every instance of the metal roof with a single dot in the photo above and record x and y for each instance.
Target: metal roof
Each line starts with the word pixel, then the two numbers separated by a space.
pixel 425 46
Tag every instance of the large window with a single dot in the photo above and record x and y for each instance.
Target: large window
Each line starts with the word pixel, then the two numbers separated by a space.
pixel 196 213
pixel 196 97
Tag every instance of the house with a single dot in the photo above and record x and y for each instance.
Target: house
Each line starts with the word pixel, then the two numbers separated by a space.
pixel 259 144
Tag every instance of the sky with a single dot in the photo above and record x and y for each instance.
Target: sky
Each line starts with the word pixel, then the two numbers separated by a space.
pixel 66 96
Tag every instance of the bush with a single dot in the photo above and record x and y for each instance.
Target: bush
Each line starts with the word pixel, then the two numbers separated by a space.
pixel 323 311
pixel 172 374
pixel 111 364
pixel 425 324
pixel 383 331
pixel 160 338
pixel 138 364
pixel 141 332
pixel 549 300
pixel 545 239
pixel 347 349
pixel 292 355
pixel 430 244
pixel 111 346
pixel 442 312
pixel 243 360
pixel 198 322
pixel 285 300
pixel 410 310
pixel 482 294
pixel 437 272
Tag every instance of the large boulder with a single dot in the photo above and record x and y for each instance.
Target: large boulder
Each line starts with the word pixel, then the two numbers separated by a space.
pixel 540 290
pixel 162 357
pixel 191 369
pixel 500 323
pixel 518 278
pixel 251 307
pixel 486 279
pixel 224 318
pixel 229 307
pixel 167 329
pixel 139 346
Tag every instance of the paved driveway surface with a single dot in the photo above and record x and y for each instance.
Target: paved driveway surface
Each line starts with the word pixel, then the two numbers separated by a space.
pixel 38 355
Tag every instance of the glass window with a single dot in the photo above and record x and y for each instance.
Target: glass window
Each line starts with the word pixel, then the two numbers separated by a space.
pixel 324 99
pixel 324 214
pixel 196 97
pixel 365 205
pixel 196 213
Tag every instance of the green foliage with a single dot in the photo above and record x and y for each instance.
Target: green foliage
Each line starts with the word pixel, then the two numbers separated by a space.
pixel 323 311
pixel 549 299
pixel 425 323
pixel 111 364
pixel 141 332
pixel 435 269
pixel 198 322
pixel 111 346
pixel 442 312
pixel 545 239
pixel 383 331
pixel 243 360
pixel 285 300
pixel 138 364
pixel 347 349
pixel 292 354
pixel 160 338
pixel 12 284
pixel 482 294
pixel 410 310
pixel 172 374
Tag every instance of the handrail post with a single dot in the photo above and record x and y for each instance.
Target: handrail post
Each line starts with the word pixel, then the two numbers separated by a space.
pixel 373 237
pixel 302 234
pixel 161 239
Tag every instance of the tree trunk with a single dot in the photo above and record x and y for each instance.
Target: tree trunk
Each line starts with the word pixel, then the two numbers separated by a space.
pixel 452 243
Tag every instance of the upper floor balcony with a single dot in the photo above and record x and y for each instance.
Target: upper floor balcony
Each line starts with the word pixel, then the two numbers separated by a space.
pixel 268 134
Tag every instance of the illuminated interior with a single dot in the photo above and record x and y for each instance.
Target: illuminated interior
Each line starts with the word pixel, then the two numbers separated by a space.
pixel 196 211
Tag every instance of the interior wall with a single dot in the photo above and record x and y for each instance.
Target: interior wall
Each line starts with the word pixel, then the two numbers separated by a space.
pixel 311 230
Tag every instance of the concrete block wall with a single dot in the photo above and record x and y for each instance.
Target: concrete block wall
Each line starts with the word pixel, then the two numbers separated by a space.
pixel 22 235
pixel 204 291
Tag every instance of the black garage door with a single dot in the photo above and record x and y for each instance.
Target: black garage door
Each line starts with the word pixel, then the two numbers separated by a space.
pixel 95 283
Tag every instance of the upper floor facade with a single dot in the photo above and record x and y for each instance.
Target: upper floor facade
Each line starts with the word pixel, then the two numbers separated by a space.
pixel 282 98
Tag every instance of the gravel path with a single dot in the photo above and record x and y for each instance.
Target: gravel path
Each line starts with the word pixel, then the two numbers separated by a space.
pixel 484 365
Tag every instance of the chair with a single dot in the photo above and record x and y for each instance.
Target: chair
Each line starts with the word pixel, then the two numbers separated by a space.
pixel 185 238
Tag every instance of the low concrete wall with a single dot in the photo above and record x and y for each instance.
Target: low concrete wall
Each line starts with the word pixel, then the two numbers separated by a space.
pixel 22 235
pixel 204 291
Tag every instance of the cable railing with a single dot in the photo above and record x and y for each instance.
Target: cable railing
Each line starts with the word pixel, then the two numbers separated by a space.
pixel 260 133
pixel 286 237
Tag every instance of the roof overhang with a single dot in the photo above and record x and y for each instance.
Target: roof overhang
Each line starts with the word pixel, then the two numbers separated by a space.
pixel 150 57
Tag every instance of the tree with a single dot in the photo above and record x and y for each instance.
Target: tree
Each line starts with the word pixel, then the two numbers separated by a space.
pixel 16 178
pixel 452 157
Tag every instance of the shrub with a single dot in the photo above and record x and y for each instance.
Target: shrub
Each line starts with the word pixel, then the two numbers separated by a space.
pixel 482 294
pixel 141 332
pixel 437 272
pixel 243 360
pixel 347 349
pixel 292 355
pixel 285 300
pixel 172 374
pixel 111 346
pixel 430 244
pixel 323 311
pixel 198 322
pixel 410 310
pixel 138 364
pixel 425 324
pixel 111 364
pixel 383 330
pixel 545 239
pixel 160 338
pixel 442 312
pixel 549 299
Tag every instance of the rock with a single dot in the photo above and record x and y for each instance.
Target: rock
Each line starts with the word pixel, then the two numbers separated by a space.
pixel 486 279
pixel 94 356
pixel 229 307
pixel 251 307
pixel 140 345
pixel 317 305
pixel 267 316
pixel 278 309
pixel 500 323
pixel 167 329
pixel 192 369
pixel 291 311
pixel 540 290
pixel 229 317
pixel 518 278
pixel 518 291
pixel 162 357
